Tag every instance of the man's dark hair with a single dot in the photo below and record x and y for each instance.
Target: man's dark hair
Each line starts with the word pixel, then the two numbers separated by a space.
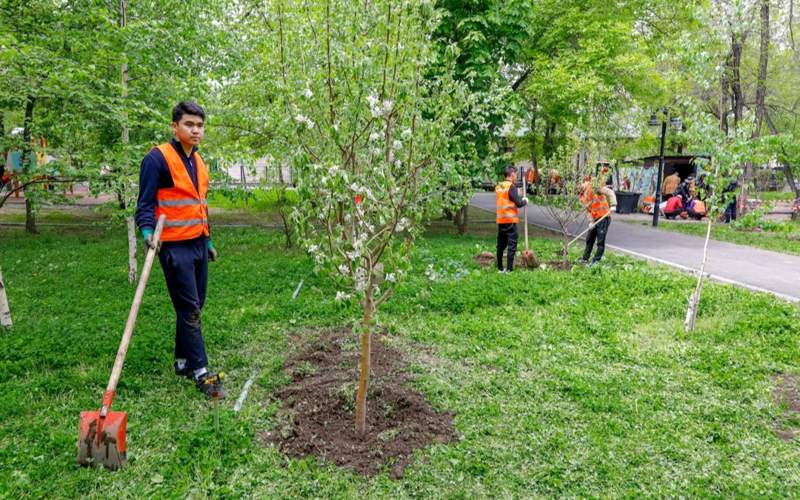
pixel 187 108
pixel 511 169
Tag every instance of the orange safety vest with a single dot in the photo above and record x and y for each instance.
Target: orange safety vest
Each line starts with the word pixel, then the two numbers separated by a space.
pixel 598 204
pixel 185 207
pixel 507 211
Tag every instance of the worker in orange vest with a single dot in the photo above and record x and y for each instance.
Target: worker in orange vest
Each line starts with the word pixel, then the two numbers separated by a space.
pixel 173 181
pixel 507 201
pixel 599 202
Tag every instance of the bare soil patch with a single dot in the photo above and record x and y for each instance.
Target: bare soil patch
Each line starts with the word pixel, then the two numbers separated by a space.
pixel 317 414
pixel 786 393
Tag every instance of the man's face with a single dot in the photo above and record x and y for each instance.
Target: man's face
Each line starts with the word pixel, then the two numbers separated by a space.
pixel 189 130
pixel 513 176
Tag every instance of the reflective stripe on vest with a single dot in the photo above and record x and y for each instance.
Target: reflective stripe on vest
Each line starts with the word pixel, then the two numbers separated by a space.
pixel 180 203
pixel 507 211
pixel 184 206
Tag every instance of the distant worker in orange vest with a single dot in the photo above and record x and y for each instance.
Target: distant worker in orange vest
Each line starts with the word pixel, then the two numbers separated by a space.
pixel 508 202
pixel 599 203
pixel 173 181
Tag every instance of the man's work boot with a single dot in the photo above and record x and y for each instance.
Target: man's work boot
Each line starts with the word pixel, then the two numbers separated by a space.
pixel 210 384
pixel 181 370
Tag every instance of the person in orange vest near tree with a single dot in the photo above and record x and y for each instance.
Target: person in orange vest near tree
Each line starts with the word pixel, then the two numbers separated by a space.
pixel 599 203
pixel 173 181
pixel 508 202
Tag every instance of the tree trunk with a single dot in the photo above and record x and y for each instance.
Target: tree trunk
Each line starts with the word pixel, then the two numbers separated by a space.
pixel 724 97
pixel 761 84
pixel 5 310
pixel 132 265
pixel 736 79
pixel 460 219
pixel 761 93
pixel 549 132
pixel 364 364
pixel 28 158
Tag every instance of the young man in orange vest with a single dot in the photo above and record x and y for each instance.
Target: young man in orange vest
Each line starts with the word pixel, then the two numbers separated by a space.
pixel 173 181
pixel 599 203
pixel 507 201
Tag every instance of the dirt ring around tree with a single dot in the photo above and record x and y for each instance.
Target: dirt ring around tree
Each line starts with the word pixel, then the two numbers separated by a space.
pixel 317 408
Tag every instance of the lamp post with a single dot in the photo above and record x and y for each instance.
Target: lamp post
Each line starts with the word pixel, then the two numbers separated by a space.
pixel 676 124
pixel 657 205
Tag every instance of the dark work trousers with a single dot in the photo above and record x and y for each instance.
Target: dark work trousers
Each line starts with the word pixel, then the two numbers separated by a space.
pixel 185 265
pixel 598 233
pixel 506 238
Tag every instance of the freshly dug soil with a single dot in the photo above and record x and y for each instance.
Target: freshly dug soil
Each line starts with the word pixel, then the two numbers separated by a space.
pixel 559 265
pixel 485 259
pixel 786 392
pixel 318 415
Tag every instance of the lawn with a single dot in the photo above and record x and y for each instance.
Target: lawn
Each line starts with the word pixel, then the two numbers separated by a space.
pixel 563 383
pixel 786 240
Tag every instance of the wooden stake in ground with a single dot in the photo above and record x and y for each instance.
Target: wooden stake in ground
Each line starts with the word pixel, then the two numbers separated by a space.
pixel 5 310
pixel 694 300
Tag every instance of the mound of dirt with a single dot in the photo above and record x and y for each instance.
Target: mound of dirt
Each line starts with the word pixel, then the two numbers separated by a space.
pixel 485 259
pixel 317 416
pixel 786 393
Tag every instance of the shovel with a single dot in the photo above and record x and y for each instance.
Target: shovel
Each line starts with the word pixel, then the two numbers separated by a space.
pixel 528 257
pixel 102 433
pixel 593 224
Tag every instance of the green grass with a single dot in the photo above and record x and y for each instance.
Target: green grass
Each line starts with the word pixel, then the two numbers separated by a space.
pixel 786 241
pixel 563 384
pixel 776 196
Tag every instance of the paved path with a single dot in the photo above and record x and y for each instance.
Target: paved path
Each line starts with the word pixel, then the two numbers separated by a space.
pixel 748 267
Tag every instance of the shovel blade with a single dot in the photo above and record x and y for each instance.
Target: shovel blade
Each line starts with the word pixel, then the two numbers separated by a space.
pixel 107 449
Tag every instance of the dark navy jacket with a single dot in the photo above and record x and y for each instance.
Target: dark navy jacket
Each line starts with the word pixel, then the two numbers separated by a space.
pixel 154 175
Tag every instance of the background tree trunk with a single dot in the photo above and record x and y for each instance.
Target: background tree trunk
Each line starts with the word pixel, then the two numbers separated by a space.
pixel 28 159
pixel 460 219
pixel 132 265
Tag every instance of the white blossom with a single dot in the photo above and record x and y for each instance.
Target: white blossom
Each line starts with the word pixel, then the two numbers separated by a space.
pixel 341 296
pixel 308 93
pixel 304 120
pixel 397 144
pixel 391 278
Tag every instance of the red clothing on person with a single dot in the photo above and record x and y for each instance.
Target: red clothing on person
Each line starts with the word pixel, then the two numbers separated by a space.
pixel 674 204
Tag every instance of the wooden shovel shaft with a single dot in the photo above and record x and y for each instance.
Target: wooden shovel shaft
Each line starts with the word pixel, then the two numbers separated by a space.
pixel 525 208
pixel 588 228
pixel 134 312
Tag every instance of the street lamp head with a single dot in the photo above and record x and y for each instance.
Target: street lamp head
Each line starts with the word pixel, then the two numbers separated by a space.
pixel 653 122
pixel 676 123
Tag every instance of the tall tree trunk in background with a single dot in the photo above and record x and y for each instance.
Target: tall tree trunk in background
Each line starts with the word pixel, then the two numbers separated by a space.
pixel 763 61
pixel 791 30
pixel 737 41
pixel 724 97
pixel 132 266
pixel 549 133
pixel 460 219
pixel 28 159
pixel 761 94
